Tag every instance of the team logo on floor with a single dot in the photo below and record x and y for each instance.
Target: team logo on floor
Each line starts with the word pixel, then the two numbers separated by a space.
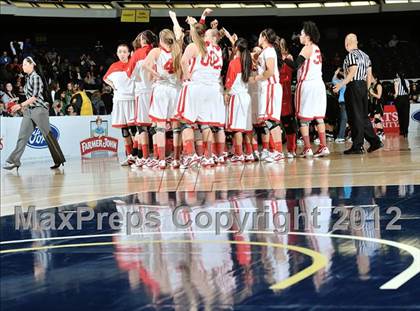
pixel 37 140
pixel 99 140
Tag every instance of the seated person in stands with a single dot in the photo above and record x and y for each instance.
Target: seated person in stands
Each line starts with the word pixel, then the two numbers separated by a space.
pixel 81 101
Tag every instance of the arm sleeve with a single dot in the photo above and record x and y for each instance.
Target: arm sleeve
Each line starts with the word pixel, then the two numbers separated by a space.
pixel 351 59
pixel 296 63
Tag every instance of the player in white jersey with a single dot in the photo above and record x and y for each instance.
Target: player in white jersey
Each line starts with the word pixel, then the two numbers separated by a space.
pixel 143 44
pixel 201 99
pixel 164 63
pixel 239 119
pixel 310 96
pixel 270 91
pixel 123 100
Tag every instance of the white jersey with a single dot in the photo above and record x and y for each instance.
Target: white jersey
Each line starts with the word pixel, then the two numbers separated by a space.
pixel 267 53
pixel 207 69
pixel 136 71
pixel 165 68
pixel 124 86
pixel 312 67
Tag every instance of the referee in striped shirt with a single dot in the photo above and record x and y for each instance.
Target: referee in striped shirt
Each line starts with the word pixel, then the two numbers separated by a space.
pixel 402 89
pixel 358 70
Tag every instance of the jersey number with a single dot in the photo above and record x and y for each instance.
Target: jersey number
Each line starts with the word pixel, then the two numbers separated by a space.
pixel 318 56
pixel 211 59
pixel 169 66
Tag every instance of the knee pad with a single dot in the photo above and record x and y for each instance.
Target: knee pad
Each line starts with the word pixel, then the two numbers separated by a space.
pixel 271 125
pixel 133 130
pixel 261 130
pixel 304 123
pixel 185 126
pixel 152 130
pixel 160 129
pixel 125 132
pixel 141 129
pixel 216 129
pixel 204 127
pixel 176 130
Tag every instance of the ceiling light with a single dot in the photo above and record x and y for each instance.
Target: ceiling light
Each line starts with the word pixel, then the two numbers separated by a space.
pixel 335 4
pixel 310 5
pixel 286 5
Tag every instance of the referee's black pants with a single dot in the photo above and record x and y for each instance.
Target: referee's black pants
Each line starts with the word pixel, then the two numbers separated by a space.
pixel 356 97
pixel 403 108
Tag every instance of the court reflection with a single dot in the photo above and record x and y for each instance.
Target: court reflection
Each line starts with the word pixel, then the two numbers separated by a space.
pixel 217 250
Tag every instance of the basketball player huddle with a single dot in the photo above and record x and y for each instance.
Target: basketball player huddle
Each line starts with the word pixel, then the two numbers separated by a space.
pixel 170 92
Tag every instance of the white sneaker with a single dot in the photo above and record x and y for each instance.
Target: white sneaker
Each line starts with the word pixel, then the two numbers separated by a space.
pixel 175 164
pixel 306 153
pixel 249 158
pixel 139 163
pixel 151 162
pixel 264 154
pixel 340 140
pixel 207 162
pixel 275 157
pixel 291 155
pixel 130 160
pixel 190 161
pixel 322 152
pixel 317 141
pixel 299 142
pixel 236 158
pixel 219 160
pixel 162 164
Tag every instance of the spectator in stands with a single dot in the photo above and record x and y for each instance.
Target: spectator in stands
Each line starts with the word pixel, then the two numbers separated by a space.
pixel 70 111
pixel 69 93
pixel 414 93
pixel 5 59
pixel 393 42
pixel 54 87
pixel 89 80
pixel 15 66
pixel 55 109
pixel 8 97
pixel 81 101
pixel 107 98
pixel 98 104
pixel 16 47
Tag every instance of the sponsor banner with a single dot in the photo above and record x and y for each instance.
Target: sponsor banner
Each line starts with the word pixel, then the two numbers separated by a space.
pixel 390 119
pixel 95 144
pixel 414 125
pixel 70 132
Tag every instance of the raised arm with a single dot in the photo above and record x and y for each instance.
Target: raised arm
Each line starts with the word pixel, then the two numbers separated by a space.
pixel 177 28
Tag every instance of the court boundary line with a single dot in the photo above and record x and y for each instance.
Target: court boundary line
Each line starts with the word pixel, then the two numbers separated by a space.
pixel 319 261
pixel 394 283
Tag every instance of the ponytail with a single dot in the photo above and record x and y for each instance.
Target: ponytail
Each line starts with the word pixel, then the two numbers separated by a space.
pixel 168 37
pixel 246 60
pixel 197 35
pixel 278 49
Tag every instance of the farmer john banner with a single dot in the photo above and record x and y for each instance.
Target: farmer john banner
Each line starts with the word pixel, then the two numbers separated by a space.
pixel 70 131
